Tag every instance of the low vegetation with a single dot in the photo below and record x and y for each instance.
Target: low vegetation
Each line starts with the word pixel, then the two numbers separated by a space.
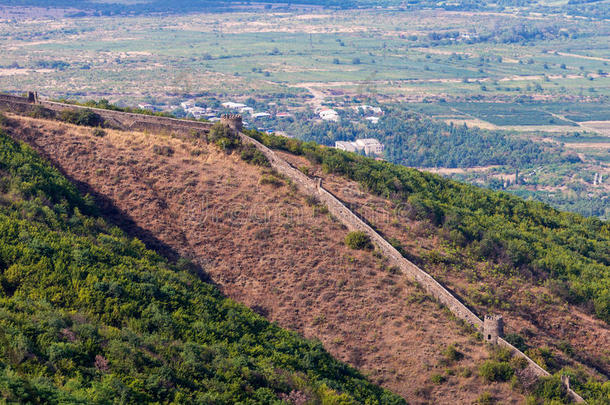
pixel 358 240
pixel 88 315
pixel 493 371
pixel 81 117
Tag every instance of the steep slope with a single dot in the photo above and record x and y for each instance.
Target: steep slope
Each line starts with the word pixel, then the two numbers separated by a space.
pixel 548 291
pixel 89 315
pixel 270 248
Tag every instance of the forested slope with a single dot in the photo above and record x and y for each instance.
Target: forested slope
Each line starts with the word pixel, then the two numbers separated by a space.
pixel 88 315
pixel 413 140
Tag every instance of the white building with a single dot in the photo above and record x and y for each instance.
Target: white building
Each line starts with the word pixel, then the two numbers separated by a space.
pixel 196 112
pixel 369 108
pixel 148 107
pixel 187 104
pixel 346 146
pixel 370 146
pixel 233 106
pixel 261 115
pixel 248 110
pixel 329 115
pixel 372 119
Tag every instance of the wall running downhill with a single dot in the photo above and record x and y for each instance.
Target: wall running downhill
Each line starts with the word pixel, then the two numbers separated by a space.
pixel 314 188
pixel 307 185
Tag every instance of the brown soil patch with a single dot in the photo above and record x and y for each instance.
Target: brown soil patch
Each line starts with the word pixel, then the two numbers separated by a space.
pixel 265 247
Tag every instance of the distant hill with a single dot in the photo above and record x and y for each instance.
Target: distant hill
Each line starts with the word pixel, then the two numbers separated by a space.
pixel 186 6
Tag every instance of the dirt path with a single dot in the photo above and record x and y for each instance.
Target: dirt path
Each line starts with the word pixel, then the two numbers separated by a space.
pixel 574 55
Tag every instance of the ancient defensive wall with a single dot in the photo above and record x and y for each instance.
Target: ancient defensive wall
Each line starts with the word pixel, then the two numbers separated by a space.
pixel 113 119
pixel 492 326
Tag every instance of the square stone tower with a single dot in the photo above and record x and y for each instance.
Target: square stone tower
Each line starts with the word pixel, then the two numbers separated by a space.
pixel 233 121
pixel 493 328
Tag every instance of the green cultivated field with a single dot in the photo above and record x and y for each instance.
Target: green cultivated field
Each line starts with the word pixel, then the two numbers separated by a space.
pixel 540 76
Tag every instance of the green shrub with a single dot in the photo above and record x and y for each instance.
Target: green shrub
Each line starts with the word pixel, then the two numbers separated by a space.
pixel 224 137
pixel 358 240
pixel 452 354
pixel 516 340
pixel 163 150
pixel 518 362
pixel 250 154
pixel 83 117
pixel 501 354
pixel 271 179
pixel 485 399
pixel 551 388
pixel 99 132
pixel 40 112
pixel 543 356
pixel 438 378
pixel 493 370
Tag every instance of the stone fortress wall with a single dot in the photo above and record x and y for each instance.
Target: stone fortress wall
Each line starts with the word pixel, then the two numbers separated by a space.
pixel 114 119
pixel 314 188
pixel 305 184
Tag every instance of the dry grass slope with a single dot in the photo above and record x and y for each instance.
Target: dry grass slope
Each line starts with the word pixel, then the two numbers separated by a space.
pixel 273 250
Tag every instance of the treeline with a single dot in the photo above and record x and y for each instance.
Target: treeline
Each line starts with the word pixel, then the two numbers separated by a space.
pixel 570 252
pixel 413 140
pixel 118 7
pixel 88 315
pixel 106 105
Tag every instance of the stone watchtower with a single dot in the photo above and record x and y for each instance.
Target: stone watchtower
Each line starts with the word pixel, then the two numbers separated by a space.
pixel 232 121
pixel 33 97
pixel 493 328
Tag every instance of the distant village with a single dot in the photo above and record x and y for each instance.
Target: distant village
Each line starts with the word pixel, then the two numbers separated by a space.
pixel 259 120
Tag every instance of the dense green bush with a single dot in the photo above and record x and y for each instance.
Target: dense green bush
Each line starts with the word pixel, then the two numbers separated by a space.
pixel 99 132
pixel 163 150
pixel 89 315
pixel 516 340
pixel 493 370
pixel 551 388
pixel 271 179
pixel 224 137
pixel 529 236
pixel 250 154
pixel 81 117
pixel 452 354
pixel 358 240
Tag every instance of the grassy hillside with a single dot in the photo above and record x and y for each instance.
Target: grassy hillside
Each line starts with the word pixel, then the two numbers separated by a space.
pixel 88 315
pixel 567 251
pixel 273 249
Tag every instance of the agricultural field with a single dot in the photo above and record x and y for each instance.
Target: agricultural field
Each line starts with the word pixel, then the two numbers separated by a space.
pixel 538 73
